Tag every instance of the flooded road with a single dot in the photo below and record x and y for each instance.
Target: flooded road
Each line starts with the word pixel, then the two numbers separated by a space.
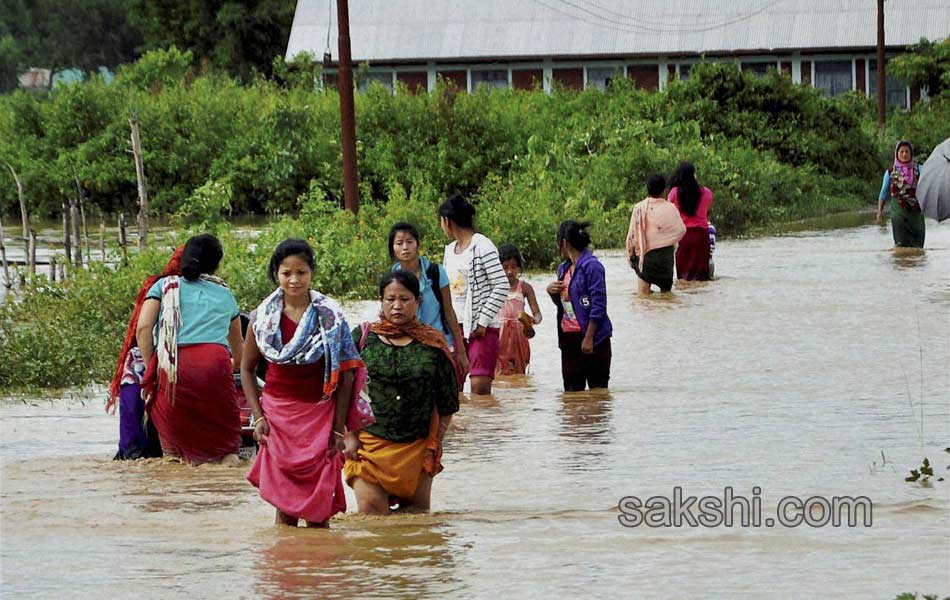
pixel 812 356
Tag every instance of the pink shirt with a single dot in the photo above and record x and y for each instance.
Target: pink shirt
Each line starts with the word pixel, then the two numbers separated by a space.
pixel 702 210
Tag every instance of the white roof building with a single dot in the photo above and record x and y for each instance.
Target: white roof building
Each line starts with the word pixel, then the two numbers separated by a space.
pixel 578 43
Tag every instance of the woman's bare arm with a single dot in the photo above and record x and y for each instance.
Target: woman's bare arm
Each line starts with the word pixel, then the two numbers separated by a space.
pixel 236 342
pixel 143 329
pixel 532 301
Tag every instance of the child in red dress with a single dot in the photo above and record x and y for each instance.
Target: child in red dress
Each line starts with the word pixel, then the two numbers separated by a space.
pixel 517 327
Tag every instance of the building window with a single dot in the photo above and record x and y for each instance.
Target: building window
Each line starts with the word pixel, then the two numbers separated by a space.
pixel 600 77
pixel 833 77
pixel 494 78
pixel 685 68
pixel 759 69
pixel 896 90
pixel 383 78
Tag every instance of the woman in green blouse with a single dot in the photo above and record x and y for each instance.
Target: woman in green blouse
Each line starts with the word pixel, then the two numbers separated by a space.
pixel 413 390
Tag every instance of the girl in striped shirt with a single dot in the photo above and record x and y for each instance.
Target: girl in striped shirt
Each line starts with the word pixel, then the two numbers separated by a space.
pixel 479 288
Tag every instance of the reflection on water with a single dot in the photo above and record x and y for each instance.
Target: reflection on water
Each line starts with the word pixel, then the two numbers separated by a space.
pixel 909 258
pixel 786 373
pixel 404 554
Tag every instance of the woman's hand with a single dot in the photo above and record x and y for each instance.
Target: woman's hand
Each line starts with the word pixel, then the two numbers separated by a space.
pixel 555 288
pixel 336 442
pixel 479 332
pixel 261 431
pixel 351 443
pixel 587 346
pixel 464 365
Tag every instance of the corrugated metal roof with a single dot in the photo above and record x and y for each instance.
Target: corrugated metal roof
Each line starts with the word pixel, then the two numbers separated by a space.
pixel 457 30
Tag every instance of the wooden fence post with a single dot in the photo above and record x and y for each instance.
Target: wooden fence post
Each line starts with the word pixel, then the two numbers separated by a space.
pixel 140 176
pixel 122 238
pixel 3 258
pixel 67 246
pixel 102 237
pixel 74 215
pixel 52 265
pixel 31 257
pixel 24 215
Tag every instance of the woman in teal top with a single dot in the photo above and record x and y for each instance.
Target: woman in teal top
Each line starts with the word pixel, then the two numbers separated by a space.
pixel 435 308
pixel 188 386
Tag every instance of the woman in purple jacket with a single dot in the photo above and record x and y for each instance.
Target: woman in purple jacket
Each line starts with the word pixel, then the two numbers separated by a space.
pixel 583 327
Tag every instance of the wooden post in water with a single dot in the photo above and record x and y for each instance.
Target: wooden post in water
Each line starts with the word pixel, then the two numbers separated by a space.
pixel 102 237
pixel 32 253
pixel 24 216
pixel 67 247
pixel 74 215
pixel 140 176
pixel 3 258
pixel 122 238
pixel 85 232
pixel 351 191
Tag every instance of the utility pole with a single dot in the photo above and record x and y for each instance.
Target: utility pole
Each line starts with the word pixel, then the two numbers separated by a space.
pixel 881 78
pixel 351 193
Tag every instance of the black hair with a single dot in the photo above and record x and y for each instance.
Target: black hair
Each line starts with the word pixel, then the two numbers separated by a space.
pixel 290 247
pixel 401 226
pixel 458 210
pixel 687 188
pixel 655 185
pixel 403 278
pixel 510 252
pixel 575 233
pixel 201 256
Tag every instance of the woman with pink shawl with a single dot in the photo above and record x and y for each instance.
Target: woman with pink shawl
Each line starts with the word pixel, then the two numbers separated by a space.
pixel 311 392
pixel 655 228
pixel 900 187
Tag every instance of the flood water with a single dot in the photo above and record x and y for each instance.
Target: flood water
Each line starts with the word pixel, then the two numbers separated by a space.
pixel 813 355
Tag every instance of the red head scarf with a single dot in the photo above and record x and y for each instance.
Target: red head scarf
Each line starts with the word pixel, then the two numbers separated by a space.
pixel 172 268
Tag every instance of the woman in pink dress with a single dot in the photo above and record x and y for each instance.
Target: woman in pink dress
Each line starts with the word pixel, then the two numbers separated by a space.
pixel 313 377
pixel 693 202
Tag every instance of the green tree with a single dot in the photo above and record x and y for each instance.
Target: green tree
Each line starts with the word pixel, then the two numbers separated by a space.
pixel 927 64
pixel 240 37
pixel 63 34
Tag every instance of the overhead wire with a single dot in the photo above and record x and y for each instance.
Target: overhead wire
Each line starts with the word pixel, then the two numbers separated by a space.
pixel 606 23
pixel 645 22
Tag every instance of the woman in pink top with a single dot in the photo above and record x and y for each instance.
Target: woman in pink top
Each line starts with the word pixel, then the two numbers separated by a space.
pixel 693 202
pixel 655 227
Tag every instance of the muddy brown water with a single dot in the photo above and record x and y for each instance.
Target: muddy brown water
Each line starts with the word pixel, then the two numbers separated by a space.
pixel 812 355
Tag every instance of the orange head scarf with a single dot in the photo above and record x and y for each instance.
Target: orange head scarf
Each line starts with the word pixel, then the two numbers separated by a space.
pixel 172 268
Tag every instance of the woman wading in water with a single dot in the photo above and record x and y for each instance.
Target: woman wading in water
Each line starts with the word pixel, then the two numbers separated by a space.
pixel 188 386
pixel 693 201
pixel 655 227
pixel 310 389
pixel 414 395
pixel 583 327
pixel 900 187
pixel 137 436
pixel 479 288
pixel 435 307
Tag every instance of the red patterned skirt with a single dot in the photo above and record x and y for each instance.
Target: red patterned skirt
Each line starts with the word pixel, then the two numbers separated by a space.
pixel 201 423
